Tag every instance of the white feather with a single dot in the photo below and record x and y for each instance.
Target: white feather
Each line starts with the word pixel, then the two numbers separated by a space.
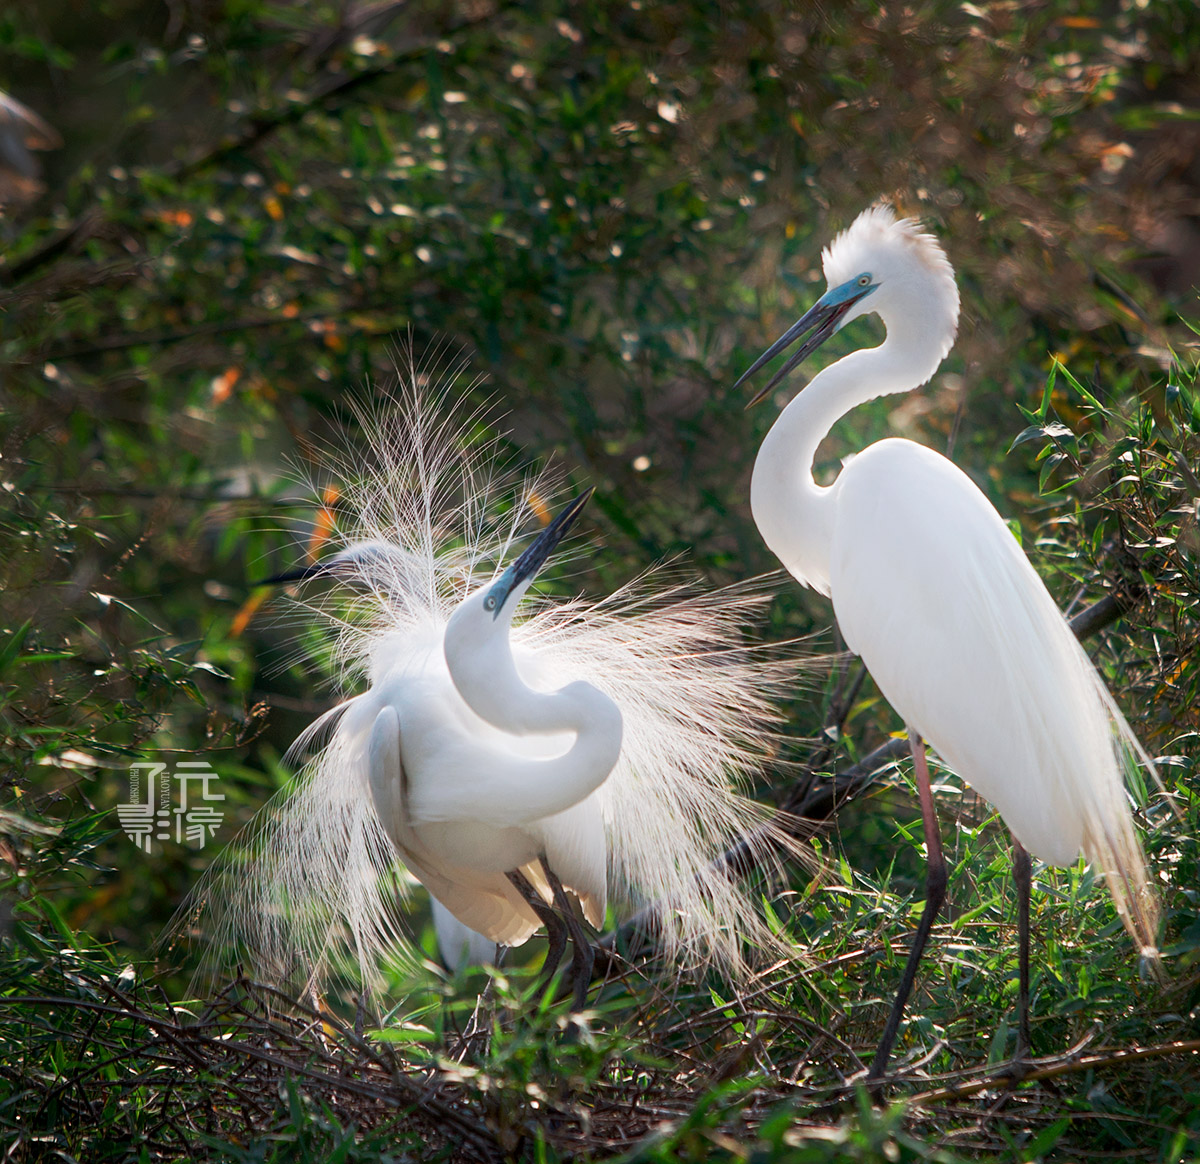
pixel 932 590
pixel 322 877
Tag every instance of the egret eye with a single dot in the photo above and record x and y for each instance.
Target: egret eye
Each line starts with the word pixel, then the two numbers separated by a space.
pixel 489 603
pixel 864 280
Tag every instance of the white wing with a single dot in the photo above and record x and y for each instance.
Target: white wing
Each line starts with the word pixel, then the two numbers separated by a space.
pixel 576 849
pixel 962 637
pixel 483 902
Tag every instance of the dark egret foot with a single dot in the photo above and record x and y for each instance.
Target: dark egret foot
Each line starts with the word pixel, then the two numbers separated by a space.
pixel 1023 880
pixel 1022 1061
pixel 556 929
pixel 583 957
pixel 360 1011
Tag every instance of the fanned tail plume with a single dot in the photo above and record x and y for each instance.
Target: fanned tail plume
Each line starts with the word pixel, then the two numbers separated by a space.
pixel 1111 841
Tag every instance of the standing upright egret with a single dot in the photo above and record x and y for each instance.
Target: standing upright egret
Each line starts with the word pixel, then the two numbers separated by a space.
pixel 505 764
pixel 931 589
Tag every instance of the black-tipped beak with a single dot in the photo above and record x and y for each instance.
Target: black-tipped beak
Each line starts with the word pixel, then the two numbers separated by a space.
pixel 534 557
pixel 821 319
pixel 522 571
pixel 300 575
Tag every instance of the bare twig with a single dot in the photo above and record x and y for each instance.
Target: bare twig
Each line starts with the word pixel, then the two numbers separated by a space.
pixel 284 1049
pixel 1054 1068
pixel 122 343
pixel 1105 612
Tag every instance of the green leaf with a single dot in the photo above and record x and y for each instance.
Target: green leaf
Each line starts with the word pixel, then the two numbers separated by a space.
pixel 998 1048
pixel 1081 389
pixel 1048 392
pixel 16 641
pixel 1032 433
pixel 1045 1139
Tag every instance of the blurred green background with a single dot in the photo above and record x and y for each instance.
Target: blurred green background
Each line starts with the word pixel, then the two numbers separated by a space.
pixel 612 208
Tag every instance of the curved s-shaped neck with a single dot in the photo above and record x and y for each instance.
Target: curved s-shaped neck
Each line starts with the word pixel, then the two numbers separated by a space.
pixel 793 513
pixel 486 677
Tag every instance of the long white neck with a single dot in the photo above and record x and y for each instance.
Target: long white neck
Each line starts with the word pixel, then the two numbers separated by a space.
pixel 793 513
pixel 486 676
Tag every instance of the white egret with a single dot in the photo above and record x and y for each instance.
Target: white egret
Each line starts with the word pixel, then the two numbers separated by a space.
pixel 931 589
pixel 491 830
pixel 504 764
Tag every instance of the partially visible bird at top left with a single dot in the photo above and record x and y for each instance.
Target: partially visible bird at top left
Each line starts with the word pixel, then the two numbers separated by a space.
pixel 510 751
pixel 21 131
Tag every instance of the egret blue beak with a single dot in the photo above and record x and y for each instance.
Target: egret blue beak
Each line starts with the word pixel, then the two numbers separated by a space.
pixel 523 570
pixel 822 319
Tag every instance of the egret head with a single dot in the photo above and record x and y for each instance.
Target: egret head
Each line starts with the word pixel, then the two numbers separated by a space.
pixel 880 263
pixel 493 604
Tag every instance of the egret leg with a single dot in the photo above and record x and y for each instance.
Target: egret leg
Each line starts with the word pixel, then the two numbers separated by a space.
pixel 556 932
pixel 935 893
pixel 583 957
pixel 360 1011
pixel 1023 879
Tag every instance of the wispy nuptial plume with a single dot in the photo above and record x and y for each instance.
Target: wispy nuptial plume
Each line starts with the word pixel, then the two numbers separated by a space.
pixel 428 513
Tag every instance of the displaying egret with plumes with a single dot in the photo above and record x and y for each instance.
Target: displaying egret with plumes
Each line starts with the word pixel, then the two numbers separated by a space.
pixel 932 590
pixel 518 756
